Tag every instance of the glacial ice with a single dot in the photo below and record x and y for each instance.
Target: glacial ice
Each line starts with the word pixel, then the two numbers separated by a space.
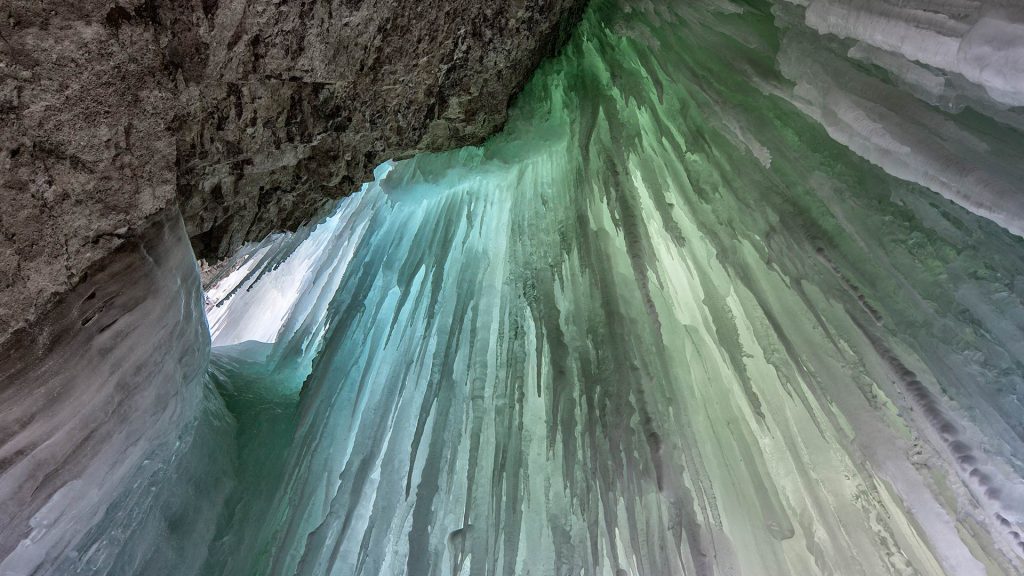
pixel 727 296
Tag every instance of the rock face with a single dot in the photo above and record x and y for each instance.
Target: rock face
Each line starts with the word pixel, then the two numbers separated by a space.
pixel 304 99
pixel 86 157
pixel 251 114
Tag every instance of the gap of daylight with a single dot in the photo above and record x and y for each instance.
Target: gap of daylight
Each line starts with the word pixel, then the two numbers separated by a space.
pixel 691 313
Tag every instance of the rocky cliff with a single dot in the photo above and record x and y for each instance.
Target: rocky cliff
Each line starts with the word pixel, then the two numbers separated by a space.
pixel 251 115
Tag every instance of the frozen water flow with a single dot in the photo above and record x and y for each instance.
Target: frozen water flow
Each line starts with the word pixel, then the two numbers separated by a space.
pixel 664 324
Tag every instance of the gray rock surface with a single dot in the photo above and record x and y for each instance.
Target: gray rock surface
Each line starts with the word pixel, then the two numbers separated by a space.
pixel 86 158
pixel 253 114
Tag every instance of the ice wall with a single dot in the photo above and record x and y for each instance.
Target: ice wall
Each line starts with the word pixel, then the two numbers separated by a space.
pixel 115 450
pixel 665 324
pixel 979 40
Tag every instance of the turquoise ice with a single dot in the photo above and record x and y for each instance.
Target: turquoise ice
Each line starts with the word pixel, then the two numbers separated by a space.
pixel 663 324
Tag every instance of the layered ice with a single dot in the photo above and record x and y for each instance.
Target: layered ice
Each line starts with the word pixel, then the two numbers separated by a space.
pixel 936 58
pixel 980 40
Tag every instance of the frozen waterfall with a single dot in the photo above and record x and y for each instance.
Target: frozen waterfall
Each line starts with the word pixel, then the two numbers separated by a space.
pixel 664 324
pixel 738 291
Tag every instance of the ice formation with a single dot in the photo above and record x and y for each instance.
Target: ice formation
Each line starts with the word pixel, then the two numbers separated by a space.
pixel 980 40
pixel 934 57
pixel 663 325
pixel 114 445
pixel 698 310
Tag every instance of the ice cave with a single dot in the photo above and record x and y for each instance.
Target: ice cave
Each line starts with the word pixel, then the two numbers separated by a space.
pixel 736 290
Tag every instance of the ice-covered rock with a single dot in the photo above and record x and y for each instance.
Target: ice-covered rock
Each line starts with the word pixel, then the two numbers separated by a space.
pixel 698 310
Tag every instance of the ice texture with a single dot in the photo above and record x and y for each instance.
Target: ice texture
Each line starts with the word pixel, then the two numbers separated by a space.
pixel 981 40
pixel 951 55
pixel 664 324
pixel 115 449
